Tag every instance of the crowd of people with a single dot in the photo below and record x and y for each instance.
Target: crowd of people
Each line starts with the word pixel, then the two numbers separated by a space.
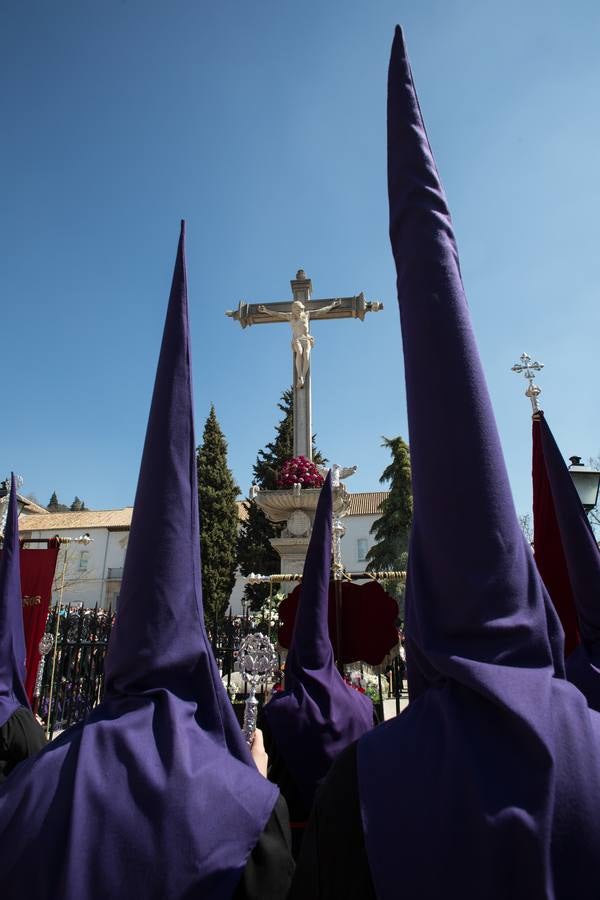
pixel 494 766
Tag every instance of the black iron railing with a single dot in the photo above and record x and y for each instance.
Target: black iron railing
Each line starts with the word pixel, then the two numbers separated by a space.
pixel 72 681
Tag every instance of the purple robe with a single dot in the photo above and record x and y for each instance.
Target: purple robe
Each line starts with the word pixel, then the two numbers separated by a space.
pixel 494 768
pixel 155 794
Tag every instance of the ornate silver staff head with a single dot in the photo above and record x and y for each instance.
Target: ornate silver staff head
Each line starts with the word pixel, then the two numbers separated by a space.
pixel 256 661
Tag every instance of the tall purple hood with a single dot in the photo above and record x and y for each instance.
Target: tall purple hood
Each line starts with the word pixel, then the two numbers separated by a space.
pixel 155 794
pixel 12 637
pixel 317 715
pixel 495 765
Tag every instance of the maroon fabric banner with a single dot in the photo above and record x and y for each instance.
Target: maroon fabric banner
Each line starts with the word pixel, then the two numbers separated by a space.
pixel 549 555
pixel 368 621
pixel 37 575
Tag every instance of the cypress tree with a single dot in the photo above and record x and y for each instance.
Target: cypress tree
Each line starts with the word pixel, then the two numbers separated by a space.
pixel 392 529
pixel 54 506
pixel 217 493
pixel 255 553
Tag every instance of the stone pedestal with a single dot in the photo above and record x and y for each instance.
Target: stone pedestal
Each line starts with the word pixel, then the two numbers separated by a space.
pixel 296 507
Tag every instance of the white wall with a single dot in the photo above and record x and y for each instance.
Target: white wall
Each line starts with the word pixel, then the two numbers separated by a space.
pixel 87 565
pixel 91 585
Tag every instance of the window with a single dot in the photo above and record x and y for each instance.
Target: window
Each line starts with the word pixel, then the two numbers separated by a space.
pixel 83 560
pixel 362 545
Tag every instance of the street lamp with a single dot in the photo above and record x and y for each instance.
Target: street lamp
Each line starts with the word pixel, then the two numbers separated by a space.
pixel 586 481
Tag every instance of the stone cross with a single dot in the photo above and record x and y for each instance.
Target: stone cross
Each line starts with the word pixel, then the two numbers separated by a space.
pixel 298 312
pixel 527 367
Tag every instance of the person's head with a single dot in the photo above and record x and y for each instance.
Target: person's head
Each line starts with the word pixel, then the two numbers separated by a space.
pixel 297 309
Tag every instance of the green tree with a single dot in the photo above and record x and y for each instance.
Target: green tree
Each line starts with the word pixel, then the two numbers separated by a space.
pixel 217 493
pixel 54 506
pixel 77 505
pixel 255 553
pixel 392 529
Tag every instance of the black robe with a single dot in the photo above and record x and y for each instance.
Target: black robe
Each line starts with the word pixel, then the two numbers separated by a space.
pixel 21 736
pixel 270 867
pixel 333 861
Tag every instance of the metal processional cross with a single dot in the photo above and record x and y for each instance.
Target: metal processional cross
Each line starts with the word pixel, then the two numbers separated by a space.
pixel 298 313
pixel 527 367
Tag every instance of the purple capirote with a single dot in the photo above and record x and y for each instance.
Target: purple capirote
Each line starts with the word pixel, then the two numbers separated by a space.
pixel 488 785
pixel 12 636
pixel 155 794
pixel 583 563
pixel 317 715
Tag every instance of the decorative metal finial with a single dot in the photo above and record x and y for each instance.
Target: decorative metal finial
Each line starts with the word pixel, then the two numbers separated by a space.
pixel 527 367
pixel 256 662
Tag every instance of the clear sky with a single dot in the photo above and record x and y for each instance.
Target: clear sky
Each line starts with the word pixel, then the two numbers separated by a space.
pixel 262 123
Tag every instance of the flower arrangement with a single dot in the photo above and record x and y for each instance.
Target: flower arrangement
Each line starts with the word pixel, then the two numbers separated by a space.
pixel 299 470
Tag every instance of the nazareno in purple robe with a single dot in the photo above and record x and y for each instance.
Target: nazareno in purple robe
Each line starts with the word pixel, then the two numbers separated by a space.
pixel 155 794
pixel 494 768
pixel 317 715
pixel 12 637
pixel 583 564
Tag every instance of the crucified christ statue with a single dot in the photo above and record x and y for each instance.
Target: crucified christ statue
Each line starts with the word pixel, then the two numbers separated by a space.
pixel 302 340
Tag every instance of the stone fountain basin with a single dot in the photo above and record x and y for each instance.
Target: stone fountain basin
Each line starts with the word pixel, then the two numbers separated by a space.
pixel 279 505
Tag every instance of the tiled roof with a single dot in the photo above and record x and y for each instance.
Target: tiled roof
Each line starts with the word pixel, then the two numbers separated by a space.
pixel 361 504
pixel 367 503
pixel 30 507
pixel 87 518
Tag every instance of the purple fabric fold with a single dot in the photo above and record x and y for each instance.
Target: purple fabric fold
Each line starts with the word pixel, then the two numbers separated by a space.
pixel 317 715
pixel 155 794
pixel 583 563
pixel 495 764
pixel 12 636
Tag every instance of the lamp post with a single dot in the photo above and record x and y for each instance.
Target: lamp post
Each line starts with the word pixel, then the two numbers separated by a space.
pixel 586 481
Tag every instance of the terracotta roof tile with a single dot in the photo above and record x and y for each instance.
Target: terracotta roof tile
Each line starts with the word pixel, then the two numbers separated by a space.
pixel 87 518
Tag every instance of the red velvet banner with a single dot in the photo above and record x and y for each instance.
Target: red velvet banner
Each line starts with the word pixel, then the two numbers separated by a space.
pixel 549 555
pixel 368 621
pixel 37 574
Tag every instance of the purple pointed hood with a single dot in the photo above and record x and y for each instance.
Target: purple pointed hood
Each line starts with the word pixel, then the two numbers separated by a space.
pixel 12 637
pixel 155 793
pixel 478 762
pixel 583 563
pixel 318 714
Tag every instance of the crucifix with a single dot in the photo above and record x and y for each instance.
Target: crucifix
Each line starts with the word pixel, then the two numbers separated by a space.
pixel 527 367
pixel 298 312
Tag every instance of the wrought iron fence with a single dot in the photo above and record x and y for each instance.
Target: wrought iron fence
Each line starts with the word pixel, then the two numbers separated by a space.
pixel 72 680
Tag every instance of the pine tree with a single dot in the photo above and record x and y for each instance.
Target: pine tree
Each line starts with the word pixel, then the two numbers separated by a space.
pixel 392 529
pixel 52 503
pixel 76 505
pixel 255 553
pixel 217 493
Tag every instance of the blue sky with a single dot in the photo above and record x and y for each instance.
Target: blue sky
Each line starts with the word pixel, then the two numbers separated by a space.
pixel 263 125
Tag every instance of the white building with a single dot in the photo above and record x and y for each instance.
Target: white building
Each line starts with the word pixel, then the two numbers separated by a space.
pixel 93 570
